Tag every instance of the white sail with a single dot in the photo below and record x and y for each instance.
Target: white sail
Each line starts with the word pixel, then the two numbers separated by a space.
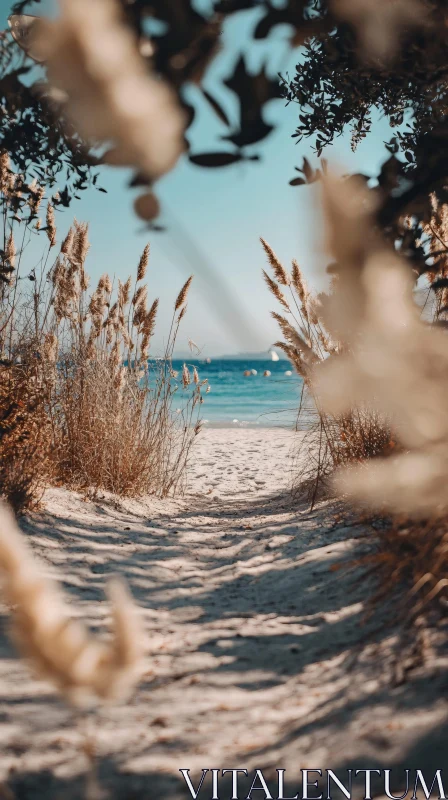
pixel 274 356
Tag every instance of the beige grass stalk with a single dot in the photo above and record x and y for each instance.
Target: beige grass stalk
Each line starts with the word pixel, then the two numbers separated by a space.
pixel 94 411
pixel 374 308
pixel 278 268
pixel 330 440
pixel 186 378
pixel 82 668
pixel 143 264
pixel 299 282
pixel 275 289
pixel 150 321
pixel 67 244
pixel 51 225
pixel 182 296
pixel 10 251
pixel 81 244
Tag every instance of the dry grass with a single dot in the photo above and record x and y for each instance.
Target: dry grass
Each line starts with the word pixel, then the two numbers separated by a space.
pixel 355 435
pixel 373 399
pixel 112 408
pixel 330 440
pixel 410 553
pixel 79 405
pixel 25 436
pixel 81 401
pixel 25 432
pixel 396 362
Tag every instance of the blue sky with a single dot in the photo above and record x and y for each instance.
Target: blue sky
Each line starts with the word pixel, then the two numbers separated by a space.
pixel 215 217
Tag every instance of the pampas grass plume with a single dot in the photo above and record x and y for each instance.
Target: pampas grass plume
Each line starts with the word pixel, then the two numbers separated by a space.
pixel 10 250
pixel 143 264
pixel 51 225
pixel 182 296
pixel 186 378
pixel 299 282
pixel 278 268
pixel 276 291
pixel 66 247
pixel 150 320
pixel 81 244
pixel 61 650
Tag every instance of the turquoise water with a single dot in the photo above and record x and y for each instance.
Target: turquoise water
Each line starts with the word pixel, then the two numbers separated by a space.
pixel 236 400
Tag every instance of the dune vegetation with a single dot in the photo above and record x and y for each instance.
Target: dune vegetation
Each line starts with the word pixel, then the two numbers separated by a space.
pixel 83 404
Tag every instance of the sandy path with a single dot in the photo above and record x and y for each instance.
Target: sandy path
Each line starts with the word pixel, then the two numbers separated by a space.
pixel 256 651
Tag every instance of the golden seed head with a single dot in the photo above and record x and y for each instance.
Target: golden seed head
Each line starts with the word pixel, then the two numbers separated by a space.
pixel 36 196
pixel 299 282
pixel 60 648
pixel 140 295
pixel 10 250
pixel 4 171
pixel 67 244
pixel 278 268
pixel 107 283
pixel 182 313
pixel 143 264
pixel 124 291
pixel 275 289
pixel 186 378
pixel 294 338
pixel 150 321
pixel 81 243
pixel 182 296
pixel 51 225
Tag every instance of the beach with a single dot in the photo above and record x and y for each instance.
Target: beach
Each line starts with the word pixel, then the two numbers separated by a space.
pixel 258 650
pixel 223 381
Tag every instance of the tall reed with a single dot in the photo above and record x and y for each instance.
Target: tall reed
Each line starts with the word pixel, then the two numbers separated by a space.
pixel 330 440
pixel 108 407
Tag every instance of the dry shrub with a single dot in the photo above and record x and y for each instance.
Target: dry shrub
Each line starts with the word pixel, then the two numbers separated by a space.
pixel 409 552
pixel 114 421
pixel 376 372
pixel 330 440
pixel 25 436
pixel 89 393
pixel 114 424
pixel 397 363
pixel 105 435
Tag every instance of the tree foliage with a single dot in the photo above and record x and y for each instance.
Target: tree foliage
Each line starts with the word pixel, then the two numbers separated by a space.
pixel 41 143
pixel 335 86
pixel 357 56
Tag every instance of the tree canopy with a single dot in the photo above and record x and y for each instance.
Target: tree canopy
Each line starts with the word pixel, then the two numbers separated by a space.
pixel 357 56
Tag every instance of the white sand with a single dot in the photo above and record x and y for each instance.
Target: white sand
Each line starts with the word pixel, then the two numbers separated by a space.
pixel 256 655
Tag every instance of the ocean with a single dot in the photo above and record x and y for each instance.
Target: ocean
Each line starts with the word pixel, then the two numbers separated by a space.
pixel 236 400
